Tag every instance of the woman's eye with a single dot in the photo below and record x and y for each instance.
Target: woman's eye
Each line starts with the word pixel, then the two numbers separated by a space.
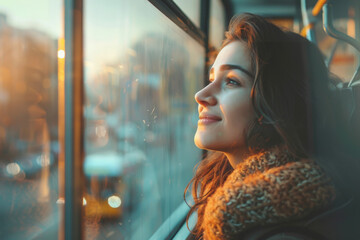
pixel 232 82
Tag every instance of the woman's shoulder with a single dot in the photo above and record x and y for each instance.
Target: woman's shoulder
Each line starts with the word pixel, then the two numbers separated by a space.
pixel 338 221
pixel 266 195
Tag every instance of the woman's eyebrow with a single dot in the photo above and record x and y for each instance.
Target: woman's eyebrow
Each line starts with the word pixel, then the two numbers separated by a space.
pixel 231 66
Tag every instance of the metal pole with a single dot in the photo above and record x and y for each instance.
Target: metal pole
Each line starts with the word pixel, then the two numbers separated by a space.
pixel 308 22
pixel 73 119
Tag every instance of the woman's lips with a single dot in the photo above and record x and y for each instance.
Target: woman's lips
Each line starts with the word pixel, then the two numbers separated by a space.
pixel 208 119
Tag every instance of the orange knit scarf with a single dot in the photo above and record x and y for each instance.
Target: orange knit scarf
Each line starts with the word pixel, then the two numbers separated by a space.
pixel 267 188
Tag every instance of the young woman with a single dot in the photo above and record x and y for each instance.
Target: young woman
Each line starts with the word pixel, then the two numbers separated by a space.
pixel 262 116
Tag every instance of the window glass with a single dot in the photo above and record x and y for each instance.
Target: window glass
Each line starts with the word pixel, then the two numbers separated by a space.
pixel 30 37
pixel 217 24
pixel 191 8
pixel 141 74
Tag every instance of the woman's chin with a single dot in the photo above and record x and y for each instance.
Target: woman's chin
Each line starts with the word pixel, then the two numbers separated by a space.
pixel 202 143
pixel 198 142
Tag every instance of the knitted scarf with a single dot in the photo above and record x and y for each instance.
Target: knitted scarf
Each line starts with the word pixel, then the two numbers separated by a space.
pixel 268 188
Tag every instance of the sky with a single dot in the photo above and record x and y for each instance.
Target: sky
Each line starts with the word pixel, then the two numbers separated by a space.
pixel 111 27
pixel 43 15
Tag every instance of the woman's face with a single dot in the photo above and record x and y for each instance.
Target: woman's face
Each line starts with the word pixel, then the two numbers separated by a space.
pixel 225 108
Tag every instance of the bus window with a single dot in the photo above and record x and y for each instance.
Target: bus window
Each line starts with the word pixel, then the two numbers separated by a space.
pixel 216 23
pixel 344 58
pixel 191 8
pixel 141 74
pixel 31 61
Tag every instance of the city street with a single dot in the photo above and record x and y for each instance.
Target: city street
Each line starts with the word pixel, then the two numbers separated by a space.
pixel 28 208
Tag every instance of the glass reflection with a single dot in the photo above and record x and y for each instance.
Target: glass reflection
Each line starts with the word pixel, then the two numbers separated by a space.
pixel 28 124
pixel 141 74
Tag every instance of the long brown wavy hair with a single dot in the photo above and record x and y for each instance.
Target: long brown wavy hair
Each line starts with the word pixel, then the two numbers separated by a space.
pixel 289 73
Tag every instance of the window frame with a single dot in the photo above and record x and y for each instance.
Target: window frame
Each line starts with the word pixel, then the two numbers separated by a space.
pixel 74 101
pixel 176 15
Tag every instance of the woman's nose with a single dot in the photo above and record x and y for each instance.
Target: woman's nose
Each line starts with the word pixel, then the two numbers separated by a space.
pixel 205 96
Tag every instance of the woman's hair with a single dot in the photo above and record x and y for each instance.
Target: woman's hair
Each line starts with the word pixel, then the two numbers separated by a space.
pixel 287 93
